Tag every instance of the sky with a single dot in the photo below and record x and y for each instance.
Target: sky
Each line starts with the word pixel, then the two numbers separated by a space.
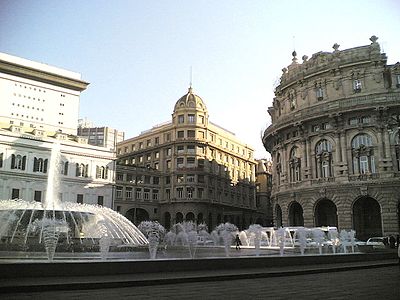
pixel 138 55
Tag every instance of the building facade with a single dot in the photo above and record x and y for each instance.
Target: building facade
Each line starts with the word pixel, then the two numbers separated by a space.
pixel 334 141
pixel 100 136
pixel 187 169
pixel 39 112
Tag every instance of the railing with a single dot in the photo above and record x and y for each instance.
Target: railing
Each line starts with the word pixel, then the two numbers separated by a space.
pixel 363 177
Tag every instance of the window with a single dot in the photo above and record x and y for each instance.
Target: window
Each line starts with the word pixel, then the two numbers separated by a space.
pixel 200 193
pixel 81 170
pixel 200 178
pixel 294 165
pixel 190 162
pixel 323 159
pixel 191 133
pixel 168 180
pixel 1 160
pixel 181 134
pixel 128 193
pixel 181 119
pixel 168 164
pixel 100 200
pixel 79 198
pixel 363 154
pixel 189 192
pixel 64 168
pixel 118 192
pixel 179 162
pixel 180 149
pixel 101 172
pixel 179 193
pixel 157 155
pixel 320 93
pixel 201 149
pixel 357 85
pixel 191 118
pixel 37 196
pixel 138 193
pixel 179 178
pixel 15 194
pixel 168 152
pixel 156 180
pixel 120 176
pixel 148 143
pixel 201 119
pixel 156 140
pixel 155 195
pixel 168 194
pixel 156 165
pixel 146 194
pixel 18 162
pixel 140 145
pixel 168 137
pixel 191 149
pixel 40 165
pixel 147 179
pixel 190 178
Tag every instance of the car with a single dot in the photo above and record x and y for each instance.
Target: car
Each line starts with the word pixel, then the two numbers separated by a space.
pixel 376 242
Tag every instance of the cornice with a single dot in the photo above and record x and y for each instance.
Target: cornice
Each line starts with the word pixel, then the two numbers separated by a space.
pixel 42 76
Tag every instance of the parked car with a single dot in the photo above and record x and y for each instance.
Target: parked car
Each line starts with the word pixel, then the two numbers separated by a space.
pixel 376 242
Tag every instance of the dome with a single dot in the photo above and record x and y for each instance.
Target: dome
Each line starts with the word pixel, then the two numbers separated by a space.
pixel 190 101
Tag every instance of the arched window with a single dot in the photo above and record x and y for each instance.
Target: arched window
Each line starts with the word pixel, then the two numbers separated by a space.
pixel 294 165
pixel 18 162
pixel 278 168
pixel 363 154
pixel 323 159
pixel 82 170
pixel 40 165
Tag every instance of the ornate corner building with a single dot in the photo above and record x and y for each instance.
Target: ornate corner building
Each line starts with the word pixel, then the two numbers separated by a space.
pixel 187 169
pixel 335 144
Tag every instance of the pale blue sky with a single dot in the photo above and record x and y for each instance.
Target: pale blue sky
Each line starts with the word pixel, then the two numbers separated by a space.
pixel 137 54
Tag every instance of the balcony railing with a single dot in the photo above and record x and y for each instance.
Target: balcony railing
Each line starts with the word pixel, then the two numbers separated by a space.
pixel 363 177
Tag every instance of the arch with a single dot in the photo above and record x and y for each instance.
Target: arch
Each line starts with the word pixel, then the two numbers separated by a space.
pixel 325 213
pixel 219 219
pixel 296 214
pixel 200 218
pixel 189 216
pixel 178 217
pixel 367 220
pixel 167 220
pixel 137 215
pixel 278 215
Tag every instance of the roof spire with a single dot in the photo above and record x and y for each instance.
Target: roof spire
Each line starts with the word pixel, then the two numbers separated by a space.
pixel 191 79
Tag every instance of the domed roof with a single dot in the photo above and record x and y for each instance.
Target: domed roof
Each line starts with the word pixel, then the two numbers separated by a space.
pixel 191 101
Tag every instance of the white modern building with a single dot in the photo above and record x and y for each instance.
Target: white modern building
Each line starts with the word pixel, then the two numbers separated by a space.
pixel 39 111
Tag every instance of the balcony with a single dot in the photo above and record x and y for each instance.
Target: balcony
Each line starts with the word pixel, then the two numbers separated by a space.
pixel 323 180
pixel 363 177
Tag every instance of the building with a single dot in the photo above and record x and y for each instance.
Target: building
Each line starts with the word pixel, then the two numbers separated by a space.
pixel 263 190
pixel 39 112
pixel 187 169
pixel 100 136
pixel 334 141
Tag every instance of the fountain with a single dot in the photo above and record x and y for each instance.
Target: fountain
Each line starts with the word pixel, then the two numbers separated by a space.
pixel 52 229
